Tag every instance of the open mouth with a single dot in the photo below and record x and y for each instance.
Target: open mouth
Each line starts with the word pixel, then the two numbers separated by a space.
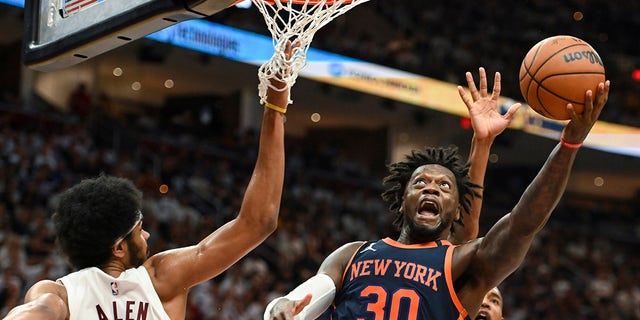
pixel 482 316
pixel 429 208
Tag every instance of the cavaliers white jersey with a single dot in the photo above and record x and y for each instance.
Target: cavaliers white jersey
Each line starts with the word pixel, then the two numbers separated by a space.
pixel 93 294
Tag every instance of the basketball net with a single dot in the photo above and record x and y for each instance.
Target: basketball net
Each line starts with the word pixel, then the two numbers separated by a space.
pixel 296 21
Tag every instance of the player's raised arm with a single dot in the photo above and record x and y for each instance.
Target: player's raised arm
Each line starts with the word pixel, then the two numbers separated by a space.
pixel 504 247
pixel 256 220
pixel 487 124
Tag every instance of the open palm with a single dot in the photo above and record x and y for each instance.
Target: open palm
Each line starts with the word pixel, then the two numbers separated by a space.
pixel 483 108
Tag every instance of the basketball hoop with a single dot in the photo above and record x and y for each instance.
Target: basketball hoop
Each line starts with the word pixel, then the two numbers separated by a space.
pixel 305 1
pixel 296 21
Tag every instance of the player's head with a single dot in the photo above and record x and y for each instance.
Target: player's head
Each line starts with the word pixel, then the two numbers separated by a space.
pixel 95 215
pixel 491 308
pixel 406 189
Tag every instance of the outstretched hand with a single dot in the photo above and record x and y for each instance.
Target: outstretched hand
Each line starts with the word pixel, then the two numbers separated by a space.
pixel 278 93
pixel 578 128
pixel 284 69
pixel 286 309
pixel 484 111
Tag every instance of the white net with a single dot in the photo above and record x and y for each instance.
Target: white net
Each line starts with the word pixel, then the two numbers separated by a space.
pixel 296 22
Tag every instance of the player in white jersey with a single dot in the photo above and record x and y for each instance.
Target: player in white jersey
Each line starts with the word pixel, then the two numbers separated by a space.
pixel 98 225
pixel 93 294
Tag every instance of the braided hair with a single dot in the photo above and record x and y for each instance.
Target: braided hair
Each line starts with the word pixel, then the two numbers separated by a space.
pixel 400 173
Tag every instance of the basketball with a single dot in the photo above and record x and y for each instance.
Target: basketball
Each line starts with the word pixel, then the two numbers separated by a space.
pixel 559 70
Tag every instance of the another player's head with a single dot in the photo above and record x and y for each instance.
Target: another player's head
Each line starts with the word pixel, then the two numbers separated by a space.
pixel 491 308
pixel 423 209
pixel 94 216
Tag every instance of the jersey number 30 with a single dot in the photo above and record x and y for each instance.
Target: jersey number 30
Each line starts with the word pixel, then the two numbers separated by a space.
pixel 383 302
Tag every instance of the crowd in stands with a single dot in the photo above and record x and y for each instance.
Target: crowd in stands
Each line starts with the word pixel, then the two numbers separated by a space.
pixel 584 265
pixel 444 39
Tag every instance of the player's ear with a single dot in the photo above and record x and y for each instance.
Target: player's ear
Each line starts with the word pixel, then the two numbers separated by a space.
pixel 458 213
pixel 119 249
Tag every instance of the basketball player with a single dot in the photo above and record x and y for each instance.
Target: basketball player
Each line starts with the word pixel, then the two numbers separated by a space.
pixel 99 226
pixel 421 275
pixel 491 307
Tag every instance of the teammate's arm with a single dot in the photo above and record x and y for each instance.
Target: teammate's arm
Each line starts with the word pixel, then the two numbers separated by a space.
pixel 487 124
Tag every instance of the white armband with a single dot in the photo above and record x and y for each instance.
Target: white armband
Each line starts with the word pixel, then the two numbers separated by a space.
pixel 267 311
pixel 322 290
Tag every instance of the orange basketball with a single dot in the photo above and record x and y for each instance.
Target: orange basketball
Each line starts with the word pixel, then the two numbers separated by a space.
pixel 559 70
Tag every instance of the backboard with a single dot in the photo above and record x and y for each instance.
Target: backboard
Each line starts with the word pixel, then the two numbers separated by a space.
pixel 62 33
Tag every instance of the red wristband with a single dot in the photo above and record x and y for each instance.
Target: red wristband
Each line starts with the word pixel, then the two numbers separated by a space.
pixel 570 145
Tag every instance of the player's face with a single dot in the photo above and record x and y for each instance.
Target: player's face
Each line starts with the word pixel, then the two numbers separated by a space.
pixel 138 249
pixel 430 203
pixel 491 308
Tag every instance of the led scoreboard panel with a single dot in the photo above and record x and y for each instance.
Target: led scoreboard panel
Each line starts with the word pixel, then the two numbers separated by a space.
pixel 61 33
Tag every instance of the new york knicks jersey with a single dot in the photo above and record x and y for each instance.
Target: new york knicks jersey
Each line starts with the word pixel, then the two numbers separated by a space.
pixel 93 294
pixel 387 280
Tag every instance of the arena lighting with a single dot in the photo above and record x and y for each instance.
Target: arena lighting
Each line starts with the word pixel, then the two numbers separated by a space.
pixel 635 75
pixel 17 3
pixel 465 123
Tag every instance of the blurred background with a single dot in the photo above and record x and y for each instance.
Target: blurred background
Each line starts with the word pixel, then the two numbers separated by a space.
pixel 181 123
